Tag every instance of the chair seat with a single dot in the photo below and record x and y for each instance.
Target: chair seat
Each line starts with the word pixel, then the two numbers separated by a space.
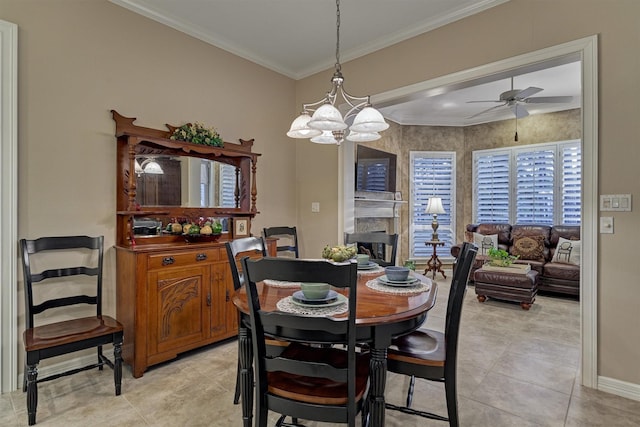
pixel 318 390
pixel 69 331
pixel 421 347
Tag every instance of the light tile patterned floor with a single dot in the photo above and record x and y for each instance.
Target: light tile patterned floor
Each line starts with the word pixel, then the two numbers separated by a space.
pixel 516 368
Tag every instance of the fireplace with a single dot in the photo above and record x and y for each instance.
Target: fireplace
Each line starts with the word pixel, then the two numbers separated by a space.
pixel 374 250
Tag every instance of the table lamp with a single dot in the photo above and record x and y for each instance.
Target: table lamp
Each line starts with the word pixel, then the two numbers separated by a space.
pixel 435 207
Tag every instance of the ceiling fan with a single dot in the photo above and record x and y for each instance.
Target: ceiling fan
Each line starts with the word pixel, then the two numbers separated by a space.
pixel 516 98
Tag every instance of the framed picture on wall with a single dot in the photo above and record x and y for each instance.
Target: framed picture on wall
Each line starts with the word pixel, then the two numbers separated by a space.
pixel 241 227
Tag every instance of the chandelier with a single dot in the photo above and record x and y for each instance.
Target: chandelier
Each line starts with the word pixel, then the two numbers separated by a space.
pixel 327 125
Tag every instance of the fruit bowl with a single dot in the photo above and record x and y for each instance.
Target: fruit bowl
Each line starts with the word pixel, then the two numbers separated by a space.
pixel 201 238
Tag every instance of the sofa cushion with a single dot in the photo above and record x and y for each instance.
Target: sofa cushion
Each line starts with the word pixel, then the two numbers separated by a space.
pixel 485 242
pixel 567 251
pixel 561 271
pixel 529 247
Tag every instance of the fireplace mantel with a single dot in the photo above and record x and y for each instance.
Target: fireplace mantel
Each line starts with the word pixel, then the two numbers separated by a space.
pixel 376 204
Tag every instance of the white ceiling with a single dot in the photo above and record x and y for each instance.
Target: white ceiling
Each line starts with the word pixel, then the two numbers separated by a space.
pixel 297 38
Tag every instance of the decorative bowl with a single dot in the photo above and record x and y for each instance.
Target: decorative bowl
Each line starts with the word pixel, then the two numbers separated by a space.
pixel 396 273
pixel 201 238
pixel 312 290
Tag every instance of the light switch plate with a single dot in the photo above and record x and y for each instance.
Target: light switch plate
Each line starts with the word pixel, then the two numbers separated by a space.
pixel 315 206
pixel 615 202
pixel 606 225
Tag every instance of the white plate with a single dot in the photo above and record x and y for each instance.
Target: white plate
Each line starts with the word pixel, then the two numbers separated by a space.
pixel 412 281
pixel 341 299
pixel 369 266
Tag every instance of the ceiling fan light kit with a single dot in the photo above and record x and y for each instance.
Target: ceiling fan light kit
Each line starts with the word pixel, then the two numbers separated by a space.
pixel 327 125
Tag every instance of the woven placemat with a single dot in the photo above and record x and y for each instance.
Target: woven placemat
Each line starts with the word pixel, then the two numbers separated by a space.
pixel 376 285
pixel 376 270
pixel 288 306
pixel 281 284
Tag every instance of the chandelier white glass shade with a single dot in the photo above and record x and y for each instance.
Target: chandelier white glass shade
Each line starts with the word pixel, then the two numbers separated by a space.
pixel 327 118
pixel 149 166
pixel 434 206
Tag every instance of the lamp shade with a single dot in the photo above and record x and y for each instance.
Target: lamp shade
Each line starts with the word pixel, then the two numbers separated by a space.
pixel 363 136
pixel 152 167
pixel 325 138
pixel 327 117
pixel 369 120
pixel 435 206
pixel 300 128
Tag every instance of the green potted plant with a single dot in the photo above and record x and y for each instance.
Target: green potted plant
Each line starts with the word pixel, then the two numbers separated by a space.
pixel 500 257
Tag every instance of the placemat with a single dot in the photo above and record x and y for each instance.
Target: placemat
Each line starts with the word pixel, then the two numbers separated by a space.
pixel 376 270
pixel 281 283
pixel 286 305
pixel 400 290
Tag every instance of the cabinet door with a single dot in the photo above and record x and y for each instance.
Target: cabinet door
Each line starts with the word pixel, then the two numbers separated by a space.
pixel 178 312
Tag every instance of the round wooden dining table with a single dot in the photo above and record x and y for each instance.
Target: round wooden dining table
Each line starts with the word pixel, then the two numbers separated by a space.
pixel 381 316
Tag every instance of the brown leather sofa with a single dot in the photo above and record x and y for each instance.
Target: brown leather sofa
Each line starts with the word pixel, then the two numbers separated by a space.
pixel 560 277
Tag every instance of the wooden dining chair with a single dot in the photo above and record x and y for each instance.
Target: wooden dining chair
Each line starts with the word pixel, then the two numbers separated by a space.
pixel 310 379
pixel 389 240
pixel 432 355
pixel 287 240
pixel 66 288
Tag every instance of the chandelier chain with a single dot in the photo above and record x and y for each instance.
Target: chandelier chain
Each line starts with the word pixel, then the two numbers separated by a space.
pixel 338 67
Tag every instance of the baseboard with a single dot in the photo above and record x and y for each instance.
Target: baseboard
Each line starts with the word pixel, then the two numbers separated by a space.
pixel 619 388
pixel 66 365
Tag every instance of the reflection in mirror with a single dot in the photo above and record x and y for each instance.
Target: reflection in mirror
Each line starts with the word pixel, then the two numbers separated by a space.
pixel 184 181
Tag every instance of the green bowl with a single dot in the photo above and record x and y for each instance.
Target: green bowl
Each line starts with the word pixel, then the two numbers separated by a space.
pixel 312 290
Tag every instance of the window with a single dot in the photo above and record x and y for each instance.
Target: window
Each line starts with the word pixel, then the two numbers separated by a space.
pixel 432 174
pixel 227 185
pixel 535 184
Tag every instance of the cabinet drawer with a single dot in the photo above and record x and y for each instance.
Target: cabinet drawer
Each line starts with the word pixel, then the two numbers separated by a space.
pixel 176 259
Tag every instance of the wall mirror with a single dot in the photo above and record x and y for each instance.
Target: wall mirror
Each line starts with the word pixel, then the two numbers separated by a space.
pixel 185 181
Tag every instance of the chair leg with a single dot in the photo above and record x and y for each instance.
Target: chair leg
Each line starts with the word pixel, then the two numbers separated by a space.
pixel 100 358
pixel 32 392
pixel 236 396
pixel 412 383
pixel 24 379
pixel 117 366
pixel 452 399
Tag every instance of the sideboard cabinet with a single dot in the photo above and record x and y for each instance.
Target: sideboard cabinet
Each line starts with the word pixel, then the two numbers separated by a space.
pixel 171 295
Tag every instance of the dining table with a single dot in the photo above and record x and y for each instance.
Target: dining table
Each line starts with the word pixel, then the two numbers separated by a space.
pixel 383 313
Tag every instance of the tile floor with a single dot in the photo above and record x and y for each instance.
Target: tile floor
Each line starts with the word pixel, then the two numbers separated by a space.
pixel 516 368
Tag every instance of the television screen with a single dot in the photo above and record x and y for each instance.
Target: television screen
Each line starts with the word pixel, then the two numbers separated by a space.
pixel 375 170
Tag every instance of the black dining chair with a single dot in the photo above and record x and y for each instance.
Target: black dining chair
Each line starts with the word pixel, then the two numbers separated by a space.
pixel 310 379
pixel 67 287
pixel 432 355
pixel 389 240
pixel 287 240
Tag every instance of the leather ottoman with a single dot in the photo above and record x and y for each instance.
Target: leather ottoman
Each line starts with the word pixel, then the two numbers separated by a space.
pixel 521 288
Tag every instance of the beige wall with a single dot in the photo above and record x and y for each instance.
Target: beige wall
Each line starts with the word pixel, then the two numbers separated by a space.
pixel 514 28
pixel 77 60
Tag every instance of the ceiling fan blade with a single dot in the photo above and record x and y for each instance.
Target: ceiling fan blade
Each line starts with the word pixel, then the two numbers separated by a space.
pixel 549 100
pixel 492 100
pixel 525 93
pixel 519 111
pixel 486 111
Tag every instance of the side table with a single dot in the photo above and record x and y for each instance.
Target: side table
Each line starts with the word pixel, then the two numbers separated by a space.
pixel 434 264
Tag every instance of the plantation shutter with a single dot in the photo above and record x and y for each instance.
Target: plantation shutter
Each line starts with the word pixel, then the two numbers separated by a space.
pixel 492 187
pixel 373 175
pixel 535 187
pixel 432 174
pixel 571 157
pixel 227 185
